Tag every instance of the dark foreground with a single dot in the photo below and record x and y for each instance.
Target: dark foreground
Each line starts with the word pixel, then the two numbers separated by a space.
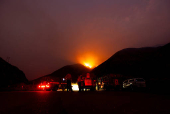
pixel 99 102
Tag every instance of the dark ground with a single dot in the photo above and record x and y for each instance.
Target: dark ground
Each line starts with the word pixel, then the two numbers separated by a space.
pixel 99 102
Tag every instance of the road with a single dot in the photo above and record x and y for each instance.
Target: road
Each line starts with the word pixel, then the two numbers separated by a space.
pixel 98 102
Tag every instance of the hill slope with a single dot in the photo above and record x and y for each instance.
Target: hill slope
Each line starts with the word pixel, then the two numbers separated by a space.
pixel 75 70
pixel 149 62
pixel 10 74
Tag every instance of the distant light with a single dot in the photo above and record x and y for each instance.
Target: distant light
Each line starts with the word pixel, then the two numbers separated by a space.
pixel 39 86
pixel 88 65
pixel 63 79
pixel 75 87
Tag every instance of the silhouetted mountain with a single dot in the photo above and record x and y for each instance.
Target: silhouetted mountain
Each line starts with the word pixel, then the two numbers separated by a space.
pixel 149 62
pixel 75 70
pixel 10 74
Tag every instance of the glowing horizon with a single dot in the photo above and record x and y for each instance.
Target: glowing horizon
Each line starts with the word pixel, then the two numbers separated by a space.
pixel 57 33
pixel 90 60
pixel 87 65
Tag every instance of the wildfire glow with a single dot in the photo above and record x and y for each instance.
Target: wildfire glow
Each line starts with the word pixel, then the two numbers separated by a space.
pixel 87 65
pixel 88 59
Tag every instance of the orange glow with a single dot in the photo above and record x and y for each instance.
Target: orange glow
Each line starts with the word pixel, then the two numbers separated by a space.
pixel 89 60
pixel 87 65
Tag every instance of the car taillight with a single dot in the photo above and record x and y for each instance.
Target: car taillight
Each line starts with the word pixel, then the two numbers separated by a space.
pixel 42 86
pixel 47 86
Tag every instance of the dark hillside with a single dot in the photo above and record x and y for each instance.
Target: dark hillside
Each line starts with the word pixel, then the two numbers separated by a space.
pixel 150 63
pixel 75 70
pixel 138 62
pixel 10 74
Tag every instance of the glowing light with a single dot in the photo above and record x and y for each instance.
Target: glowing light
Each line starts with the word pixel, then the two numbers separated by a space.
pixel 88 82
pixel 75 87
pixel 47 86
pixel 42 86
pixel 88 59
pixel 87 65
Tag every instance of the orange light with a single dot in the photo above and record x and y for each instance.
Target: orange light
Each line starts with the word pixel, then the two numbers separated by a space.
pixel 39 86
pixel 89 60
pixel 87 65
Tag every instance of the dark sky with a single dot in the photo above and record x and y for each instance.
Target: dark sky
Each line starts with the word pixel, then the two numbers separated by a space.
pixel 41 36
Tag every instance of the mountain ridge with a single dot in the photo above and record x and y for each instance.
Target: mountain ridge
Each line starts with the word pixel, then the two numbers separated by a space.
pixel 75 70
pixel 10 74
pixel 136 61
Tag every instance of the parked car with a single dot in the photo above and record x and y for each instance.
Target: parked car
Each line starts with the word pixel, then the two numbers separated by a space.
pixel 134 84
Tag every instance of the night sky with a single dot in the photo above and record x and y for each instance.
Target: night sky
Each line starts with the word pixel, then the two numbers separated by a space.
pixel 41 36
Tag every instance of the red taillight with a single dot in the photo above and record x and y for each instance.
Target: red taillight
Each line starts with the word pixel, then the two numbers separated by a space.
pixel 47 86
pixel 42 86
